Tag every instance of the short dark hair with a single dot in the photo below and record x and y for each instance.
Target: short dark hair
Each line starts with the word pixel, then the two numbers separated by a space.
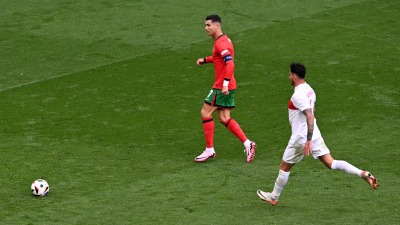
pixel 214 18
pixel 298 69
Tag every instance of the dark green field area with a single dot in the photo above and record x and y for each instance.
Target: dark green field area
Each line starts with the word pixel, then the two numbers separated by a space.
pixel 102 99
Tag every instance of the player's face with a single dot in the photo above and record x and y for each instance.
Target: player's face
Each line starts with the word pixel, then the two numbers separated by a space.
pixel 211 27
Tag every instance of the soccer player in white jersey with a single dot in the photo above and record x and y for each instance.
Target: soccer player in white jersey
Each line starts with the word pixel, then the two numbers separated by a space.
pixel 306 138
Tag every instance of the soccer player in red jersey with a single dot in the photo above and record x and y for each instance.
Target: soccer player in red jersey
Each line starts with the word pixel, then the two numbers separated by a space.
pixel 221 96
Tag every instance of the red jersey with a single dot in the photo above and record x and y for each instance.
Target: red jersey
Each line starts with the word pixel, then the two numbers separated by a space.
pixel 222 57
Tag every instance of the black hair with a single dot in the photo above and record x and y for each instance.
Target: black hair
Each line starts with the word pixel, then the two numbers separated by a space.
pixel 214 18
pixel 298 69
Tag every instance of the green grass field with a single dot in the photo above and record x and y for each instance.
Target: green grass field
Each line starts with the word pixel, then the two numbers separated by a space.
pixel 102 99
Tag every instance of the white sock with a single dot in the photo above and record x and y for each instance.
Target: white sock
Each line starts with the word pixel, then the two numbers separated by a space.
pixel 247 143
pixel 280 183
pixel 210 149
pixel 345 167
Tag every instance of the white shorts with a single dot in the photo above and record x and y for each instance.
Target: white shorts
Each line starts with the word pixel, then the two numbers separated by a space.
pixel 294 153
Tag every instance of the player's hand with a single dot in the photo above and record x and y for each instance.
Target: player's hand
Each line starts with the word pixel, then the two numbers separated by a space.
pixel 200 61
pixel 225 90
pixel 307 148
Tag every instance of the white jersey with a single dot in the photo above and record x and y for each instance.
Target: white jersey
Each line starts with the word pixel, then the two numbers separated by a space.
pixel 303 98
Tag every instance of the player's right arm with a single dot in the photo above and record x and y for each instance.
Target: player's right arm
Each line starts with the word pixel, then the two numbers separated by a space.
pixel 201 61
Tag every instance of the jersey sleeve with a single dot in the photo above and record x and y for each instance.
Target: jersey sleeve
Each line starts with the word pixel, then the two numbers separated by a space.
pixel 301 102
pixel 209 59
pixel 229 69
pixel 224 51
pixel 226 55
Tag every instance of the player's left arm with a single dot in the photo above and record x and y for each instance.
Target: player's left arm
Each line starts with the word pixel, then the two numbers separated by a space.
pixel 229 69
pixel 310 130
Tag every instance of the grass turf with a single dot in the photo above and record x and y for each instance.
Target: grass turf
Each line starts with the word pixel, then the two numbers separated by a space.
pixel 102 100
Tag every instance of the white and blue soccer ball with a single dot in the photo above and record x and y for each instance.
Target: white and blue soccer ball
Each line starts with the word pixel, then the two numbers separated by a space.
pixel 40 187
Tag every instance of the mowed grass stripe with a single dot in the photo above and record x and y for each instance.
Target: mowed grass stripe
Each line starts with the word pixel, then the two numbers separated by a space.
pixel 40 50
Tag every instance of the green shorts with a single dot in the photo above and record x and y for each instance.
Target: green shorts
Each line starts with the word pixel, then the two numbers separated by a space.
pixel 216 98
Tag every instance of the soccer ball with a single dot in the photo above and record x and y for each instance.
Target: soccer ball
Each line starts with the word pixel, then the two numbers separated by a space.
pixel 40 187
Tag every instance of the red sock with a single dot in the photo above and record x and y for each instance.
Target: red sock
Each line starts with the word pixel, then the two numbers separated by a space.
pixel 234 127
pixel 208 127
